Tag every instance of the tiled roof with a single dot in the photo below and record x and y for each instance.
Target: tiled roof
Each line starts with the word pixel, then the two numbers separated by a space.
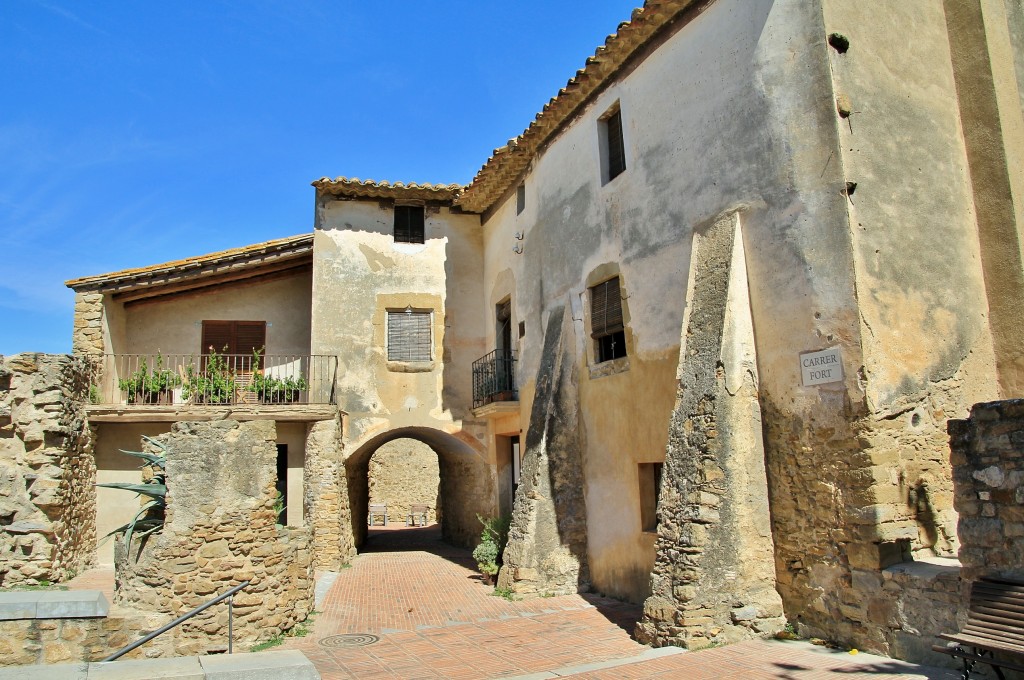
pixel 257 254
pixel 508 162
pixel 356 188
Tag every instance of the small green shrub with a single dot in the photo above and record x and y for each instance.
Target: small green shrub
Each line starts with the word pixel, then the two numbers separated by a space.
pixel 505 593
pixel 493 539
pixel 272 390
pixel 267 644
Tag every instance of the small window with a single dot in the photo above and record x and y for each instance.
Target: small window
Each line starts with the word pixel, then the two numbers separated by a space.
pixel 650 492
pixel 613 148
pixel 409 335
pixel 408 224
pixel 520 198
pixel 606 327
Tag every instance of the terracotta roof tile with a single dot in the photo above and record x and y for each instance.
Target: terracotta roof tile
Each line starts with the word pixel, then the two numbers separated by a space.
pixel 292 246
pixel 356 188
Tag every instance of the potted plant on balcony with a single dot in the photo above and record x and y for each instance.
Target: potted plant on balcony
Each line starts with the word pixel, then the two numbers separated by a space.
pixel 214 384
pixel 144 386
pixel 271 390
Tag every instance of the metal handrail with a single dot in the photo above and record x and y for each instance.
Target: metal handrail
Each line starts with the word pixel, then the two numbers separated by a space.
pixel 228 595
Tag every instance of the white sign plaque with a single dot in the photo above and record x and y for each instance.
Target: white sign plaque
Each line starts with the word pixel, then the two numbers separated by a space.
pixel 820 368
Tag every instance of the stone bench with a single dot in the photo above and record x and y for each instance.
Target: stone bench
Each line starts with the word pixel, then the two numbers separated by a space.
pixel 275 665
pixel 53 604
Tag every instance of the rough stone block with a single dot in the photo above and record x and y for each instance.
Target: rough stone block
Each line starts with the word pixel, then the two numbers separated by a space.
pixel 72 604
pixel 280 665
pixel 181 668
pixel 66 671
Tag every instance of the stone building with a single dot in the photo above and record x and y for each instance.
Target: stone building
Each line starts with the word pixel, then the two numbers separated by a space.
pixel 699 328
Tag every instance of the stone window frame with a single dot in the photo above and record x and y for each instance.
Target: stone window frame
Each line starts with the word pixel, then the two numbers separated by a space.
pixel 598 275
pixel 421 302
pixel 420 317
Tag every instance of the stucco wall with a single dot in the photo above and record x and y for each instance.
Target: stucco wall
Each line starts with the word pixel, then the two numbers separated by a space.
pixel 359 274
pixel 174 325
pixel 710 126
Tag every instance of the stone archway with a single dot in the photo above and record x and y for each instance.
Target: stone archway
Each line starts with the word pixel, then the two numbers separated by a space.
pixel 466 489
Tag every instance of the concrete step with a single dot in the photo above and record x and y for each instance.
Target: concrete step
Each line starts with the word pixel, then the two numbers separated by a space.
pixel 274 665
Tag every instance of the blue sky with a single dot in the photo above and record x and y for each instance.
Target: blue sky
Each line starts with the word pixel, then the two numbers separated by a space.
pixel 133 133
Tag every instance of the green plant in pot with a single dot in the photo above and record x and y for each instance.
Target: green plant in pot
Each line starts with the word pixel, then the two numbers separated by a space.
pixel 492 544
pixel 145 386
pixel 273 390
pixel 214 384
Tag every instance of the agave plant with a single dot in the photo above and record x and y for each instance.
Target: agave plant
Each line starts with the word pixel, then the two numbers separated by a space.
pixel 150 516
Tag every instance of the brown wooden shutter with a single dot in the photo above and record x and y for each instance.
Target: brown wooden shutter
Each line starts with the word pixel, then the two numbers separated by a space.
pixel 408 224
pixel 409 336
pixel 605 308
pixel 616 147
pixel 218 335
pixel 234 337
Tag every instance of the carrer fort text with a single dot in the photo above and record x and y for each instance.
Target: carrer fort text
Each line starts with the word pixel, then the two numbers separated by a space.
pixel 820 373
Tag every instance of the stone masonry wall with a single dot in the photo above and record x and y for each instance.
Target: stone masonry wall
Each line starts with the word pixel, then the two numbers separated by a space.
pixel 546 551
pixel 87 337
pixel 325 502
pixel 714 573
pixel 47 469
pixel 220 531
pixel 27 642
pixel 988 478
pixel 402 473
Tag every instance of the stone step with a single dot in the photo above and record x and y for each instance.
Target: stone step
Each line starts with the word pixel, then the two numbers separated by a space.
pixel 274 665
pixel 52 604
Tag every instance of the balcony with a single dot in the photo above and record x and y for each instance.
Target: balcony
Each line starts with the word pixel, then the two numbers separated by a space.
pixel 175 382
pixel 494 378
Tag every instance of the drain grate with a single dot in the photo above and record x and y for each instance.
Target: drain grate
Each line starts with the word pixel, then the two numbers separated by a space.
pixel 349 640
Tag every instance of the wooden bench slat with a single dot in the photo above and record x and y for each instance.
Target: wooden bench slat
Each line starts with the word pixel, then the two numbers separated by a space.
pixel 985 642
pixel 1002 608
pixel 990 592
pixel 985 619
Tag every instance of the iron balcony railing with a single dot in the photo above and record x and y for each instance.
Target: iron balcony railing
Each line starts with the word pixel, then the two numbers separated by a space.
pixel 215 379
pixel 494 378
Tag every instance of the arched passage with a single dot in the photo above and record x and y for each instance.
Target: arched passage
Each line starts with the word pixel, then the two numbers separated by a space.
pixel 466 489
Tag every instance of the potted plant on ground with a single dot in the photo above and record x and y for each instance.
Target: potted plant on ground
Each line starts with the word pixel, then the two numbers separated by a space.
pixel 149 387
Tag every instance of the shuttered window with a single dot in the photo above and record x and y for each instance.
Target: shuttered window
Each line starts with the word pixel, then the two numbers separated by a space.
pixel 409 336
pixel 234 337
pixel 616 148
pixel 408 224
pixel 606 326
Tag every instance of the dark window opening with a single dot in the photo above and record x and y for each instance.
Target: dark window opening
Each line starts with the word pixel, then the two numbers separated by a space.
pixel 615 148
pixel 409 336
pixel 282 483
pixel 650 493
pixel 520 198
pixel 606 325
pixel 408 224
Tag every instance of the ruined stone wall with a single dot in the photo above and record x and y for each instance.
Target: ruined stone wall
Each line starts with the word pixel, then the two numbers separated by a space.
pixel 988 474
pixel 219 531
pixel 326 497
pixel 25 642
pixel 714 578
pixel 402 473
pixel 547 541
pixel 47 470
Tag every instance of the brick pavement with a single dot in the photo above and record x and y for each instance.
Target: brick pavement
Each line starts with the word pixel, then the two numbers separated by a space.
pixel 434 618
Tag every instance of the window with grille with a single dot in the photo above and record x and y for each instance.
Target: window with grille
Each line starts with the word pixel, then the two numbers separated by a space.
pixel 613 148
pixel 408 224
pixel 409 335
pixel 606 327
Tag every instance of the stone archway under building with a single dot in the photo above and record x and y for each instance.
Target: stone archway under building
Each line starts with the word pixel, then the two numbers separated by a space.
pixel 466 481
